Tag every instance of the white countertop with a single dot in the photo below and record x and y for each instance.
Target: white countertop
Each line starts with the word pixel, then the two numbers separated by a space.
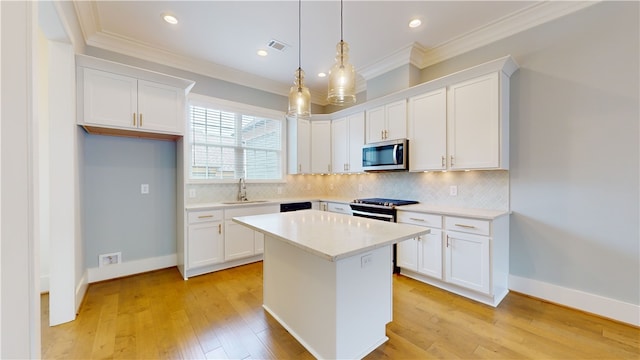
pixel 234 204
pixel 329 235
pixel 454 211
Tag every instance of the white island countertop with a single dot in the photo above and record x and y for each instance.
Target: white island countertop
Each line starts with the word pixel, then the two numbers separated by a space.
pixel 329 235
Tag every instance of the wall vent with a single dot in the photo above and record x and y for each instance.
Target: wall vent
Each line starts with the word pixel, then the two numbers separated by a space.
pixel 277 45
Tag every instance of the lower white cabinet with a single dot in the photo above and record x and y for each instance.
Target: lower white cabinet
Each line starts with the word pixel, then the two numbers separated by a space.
pixel 205 240
pixel 214 242
pixel 465 255
pixel 341 208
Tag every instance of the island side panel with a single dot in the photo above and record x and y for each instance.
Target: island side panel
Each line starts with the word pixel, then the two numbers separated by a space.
pixel 300 292
pixel 364 302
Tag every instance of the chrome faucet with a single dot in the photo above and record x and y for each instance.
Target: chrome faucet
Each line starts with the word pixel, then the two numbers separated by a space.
pixel 242 190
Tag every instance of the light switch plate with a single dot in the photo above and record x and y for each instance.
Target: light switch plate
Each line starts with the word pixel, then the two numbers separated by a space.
pixel 144 189
pixel 453 190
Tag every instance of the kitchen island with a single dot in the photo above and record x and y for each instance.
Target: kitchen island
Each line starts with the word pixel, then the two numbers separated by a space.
pixel 328 278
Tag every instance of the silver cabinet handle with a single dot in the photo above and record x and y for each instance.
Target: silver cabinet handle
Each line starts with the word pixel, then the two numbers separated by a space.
pixel 443 160
pixel 382 134
pixel 465 226
pixel 452 163
pixel 417 219
pixel 447 240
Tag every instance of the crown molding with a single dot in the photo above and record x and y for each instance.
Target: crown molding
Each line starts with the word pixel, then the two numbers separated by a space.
pixel 414 54
pixel 525 19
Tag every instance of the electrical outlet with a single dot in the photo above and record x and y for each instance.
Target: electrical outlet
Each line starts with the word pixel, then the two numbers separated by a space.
pixel 453 190
pixel 366 260
pixel 144 189
pixel 192 193
pixel 279 190
pixel 360 187
pixel 109 259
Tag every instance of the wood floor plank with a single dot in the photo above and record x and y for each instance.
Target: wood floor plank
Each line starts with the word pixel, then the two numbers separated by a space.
pixel 158 315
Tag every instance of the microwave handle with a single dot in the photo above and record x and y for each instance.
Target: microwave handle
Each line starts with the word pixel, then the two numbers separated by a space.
pixel 395 154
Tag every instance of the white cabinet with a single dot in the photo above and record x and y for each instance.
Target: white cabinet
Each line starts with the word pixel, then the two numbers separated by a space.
pixel 427 131
pixel 477 123
pixel 347 138
pixel 320 147
pixel 299 145
pixel 205 244
pixel 240 241
pixel 388 122
pixel 424 253
pixel 128 103
pixel 461 127
pixel 341 208
pixel 468 256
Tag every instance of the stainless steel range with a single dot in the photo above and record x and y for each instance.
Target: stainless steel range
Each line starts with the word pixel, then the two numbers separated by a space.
pixel 380 209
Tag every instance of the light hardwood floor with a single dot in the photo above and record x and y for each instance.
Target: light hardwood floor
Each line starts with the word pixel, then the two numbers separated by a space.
pixel 158 315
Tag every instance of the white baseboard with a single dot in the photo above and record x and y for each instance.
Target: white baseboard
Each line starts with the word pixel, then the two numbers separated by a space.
pixel 130 268
pixel 81 290
pixel 44 283
pixel 587 302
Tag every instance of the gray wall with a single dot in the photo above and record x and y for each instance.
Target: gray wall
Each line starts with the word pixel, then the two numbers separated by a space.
pixel 574 149
pixel 117 217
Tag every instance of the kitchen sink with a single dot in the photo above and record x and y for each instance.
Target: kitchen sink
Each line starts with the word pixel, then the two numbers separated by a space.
pixel 244 202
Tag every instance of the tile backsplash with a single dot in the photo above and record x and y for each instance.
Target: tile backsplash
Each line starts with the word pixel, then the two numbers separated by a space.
pixel 475 189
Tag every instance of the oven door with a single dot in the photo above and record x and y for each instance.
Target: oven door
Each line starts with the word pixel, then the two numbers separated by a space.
pixel 370 215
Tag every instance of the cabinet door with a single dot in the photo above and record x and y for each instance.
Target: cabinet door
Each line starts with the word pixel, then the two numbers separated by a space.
pixel 474 123
pixel 160 108
pixel 110 99
pixel 299 145
pixel 339 145
pixel 467 261
pixel 205 244
pixel 238 241
pixel 430 254
pixel 428 131
pixel 396 120
pixel 407 254
pixel 376 124
pixel 356 140
pixel 321 147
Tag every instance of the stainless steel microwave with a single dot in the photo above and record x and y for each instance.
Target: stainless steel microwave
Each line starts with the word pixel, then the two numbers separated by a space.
pixel 389 155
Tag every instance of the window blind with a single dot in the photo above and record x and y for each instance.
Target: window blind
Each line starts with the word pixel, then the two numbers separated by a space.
pixel 232 145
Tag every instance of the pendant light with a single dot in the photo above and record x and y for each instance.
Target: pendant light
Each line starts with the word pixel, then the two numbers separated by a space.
pixel 299 96
pixel 342 77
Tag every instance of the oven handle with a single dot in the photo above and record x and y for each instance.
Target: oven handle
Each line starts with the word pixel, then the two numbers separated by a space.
pixel 366 214
pixel 395 154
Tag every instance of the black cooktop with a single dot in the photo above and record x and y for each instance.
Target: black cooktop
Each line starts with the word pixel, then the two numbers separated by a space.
pixel 384 202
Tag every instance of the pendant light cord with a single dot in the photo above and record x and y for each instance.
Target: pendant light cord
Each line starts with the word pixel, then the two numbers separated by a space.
pixel 299 44
pixel 341 22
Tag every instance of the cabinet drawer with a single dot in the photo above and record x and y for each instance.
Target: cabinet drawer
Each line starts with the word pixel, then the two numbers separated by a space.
pixel 471 226
pixel 339 208
pixel 203 216
pixel 250 210
pixel 420 219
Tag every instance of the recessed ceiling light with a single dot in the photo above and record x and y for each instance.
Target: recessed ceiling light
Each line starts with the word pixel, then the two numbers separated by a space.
pixel 263 52
pixel 322 74
pixel 170 19
pixel 415 23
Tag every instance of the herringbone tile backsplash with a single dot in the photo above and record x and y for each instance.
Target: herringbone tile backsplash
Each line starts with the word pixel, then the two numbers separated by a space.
pixel 476 189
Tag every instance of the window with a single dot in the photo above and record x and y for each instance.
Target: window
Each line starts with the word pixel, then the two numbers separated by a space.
pixel 232 141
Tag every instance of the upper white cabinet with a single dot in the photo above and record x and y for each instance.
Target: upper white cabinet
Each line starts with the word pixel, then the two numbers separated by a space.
pixel 321 147
pixel 347 138
pixel 477 123
pixel 299 145
pixel 122 100
pixel 387 122
pixel 464 126
pixel 428 131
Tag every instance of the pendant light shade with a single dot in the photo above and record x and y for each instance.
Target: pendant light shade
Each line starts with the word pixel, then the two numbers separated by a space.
pixel 299 98
pixel 299 95
pixel 342 77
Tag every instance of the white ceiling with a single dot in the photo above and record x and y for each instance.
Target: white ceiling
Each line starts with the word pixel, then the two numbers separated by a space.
pixel 221 38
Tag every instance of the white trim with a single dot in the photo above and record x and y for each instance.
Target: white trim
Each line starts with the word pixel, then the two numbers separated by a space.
pixel 587 302
pixel 525 19
pixel 81 289
pixel 131 268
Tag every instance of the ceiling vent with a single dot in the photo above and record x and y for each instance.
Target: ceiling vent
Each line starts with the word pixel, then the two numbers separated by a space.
pixel 277 45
